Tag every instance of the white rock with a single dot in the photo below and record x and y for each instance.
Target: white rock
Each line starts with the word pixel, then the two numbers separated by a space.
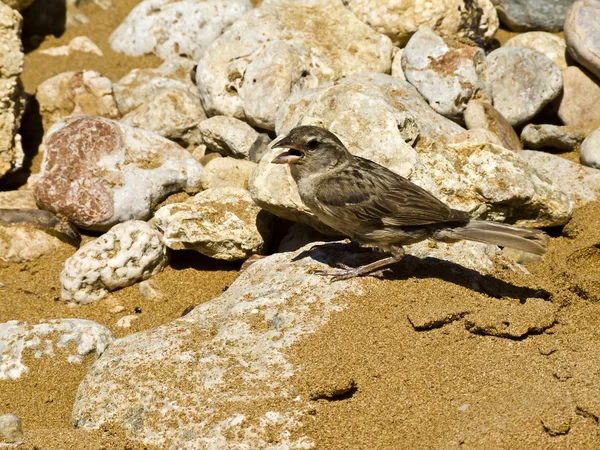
pixel 382 118
pixel 169 28
pixel 97 172
pixel 223 223
pixel 81 92
pixel 150 290
pixel 226 172
pixel 12 102
pixel 590 150
pixel 130 252
pixel 228 136
pixel 523 82
pixel 163 100
pixel 273 51
pixel 582 33
pixel 580 183
pixel 77 337
pixel 447 72
pixel 10 429
pixel 400 19
pixel 475 136
pixel 125 321
pixel 78 44
pixel 551 45
pixel 481 114
pixel 397 70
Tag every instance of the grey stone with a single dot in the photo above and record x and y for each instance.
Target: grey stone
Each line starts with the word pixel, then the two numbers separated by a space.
pixel 590 150
pixel 551 45
pixel 274 51
pixel 476 20
pixel 523 82
pixel 533 15
pixel 169 28
pixel 582 33
pixel 554 136
pixel 228 136
pixel 446 71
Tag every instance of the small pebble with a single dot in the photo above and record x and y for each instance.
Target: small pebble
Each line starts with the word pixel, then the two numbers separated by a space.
pixel 117 309
pixel 590 150
pixel 149 289
pixel 125 321
pixel 10 429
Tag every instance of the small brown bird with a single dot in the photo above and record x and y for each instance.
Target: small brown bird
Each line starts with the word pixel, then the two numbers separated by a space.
pixel 377 207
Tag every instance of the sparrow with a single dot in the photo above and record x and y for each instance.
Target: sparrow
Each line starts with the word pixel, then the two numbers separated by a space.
pixel 378 208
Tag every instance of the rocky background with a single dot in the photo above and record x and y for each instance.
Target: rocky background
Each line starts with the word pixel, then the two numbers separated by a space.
pixel 156 273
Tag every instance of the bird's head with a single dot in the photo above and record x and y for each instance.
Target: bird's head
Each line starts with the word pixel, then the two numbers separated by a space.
pixel 310 148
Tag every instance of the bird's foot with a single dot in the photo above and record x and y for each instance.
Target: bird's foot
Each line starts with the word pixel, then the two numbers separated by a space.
pixel 345 272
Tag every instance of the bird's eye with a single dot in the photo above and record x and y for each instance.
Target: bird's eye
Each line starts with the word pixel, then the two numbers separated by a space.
pixel 313 143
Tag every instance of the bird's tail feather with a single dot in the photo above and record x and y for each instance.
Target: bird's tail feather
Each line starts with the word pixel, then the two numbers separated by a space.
pixel 525 239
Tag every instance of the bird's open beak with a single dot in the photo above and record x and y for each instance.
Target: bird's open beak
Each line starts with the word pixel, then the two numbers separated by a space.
pixel 291 156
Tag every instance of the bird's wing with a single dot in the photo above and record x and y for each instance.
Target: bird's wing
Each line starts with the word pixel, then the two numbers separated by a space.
pixel 369 193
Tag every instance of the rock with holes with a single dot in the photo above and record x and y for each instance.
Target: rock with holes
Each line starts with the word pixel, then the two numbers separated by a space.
pixel 551 45
pixel 558 137
pixel 74 338
pixel 533 15
pixel 523 82
pixel 12 102
pixel 580 183
pixel 168 28
pixel 476 20
pixel 590 150
pixel 226 172
pixel 582 33
pixel 481 114
pixel 194 362
pixel 223 223
pixel 81 92
pixel 97 172
pixel 129 252
pixel 580 99
pixel 228 136
pixel 447 72
pixel 163 100
pixel 274 51
pixel 384 119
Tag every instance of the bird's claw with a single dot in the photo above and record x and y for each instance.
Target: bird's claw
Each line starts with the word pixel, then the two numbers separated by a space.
pixel 345 272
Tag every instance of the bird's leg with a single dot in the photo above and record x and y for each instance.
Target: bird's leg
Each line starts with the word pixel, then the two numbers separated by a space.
pixel 372 269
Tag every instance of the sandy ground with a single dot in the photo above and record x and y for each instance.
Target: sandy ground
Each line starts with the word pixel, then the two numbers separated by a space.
pixel 376 380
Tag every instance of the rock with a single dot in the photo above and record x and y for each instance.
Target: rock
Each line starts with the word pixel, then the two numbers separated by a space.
pixel 409 138
pixel 580 99
pixel 21 238
pixel 475 136
pixel 163 100
pixel 447 72
pixel 580 183
pixel 75 337
pixel 480 114
pixel 226 172
pixel 533 15
pixel 18 4
pixel 10 429
pixel 559 137
pixel 228 136
pixel 551 45
pixel 523 82
pixel 512 319
pixel 194 362
pixel 223 223
pixel 168 28
pixel 126 321
pixel 128 253
pixel 69 93
pixel 590 150
pixel 97 172
pixel 12 104
pixel 582 34
pixel 78 44
pixel 273 52
pixel 150 290
pixel 397 70
pixel 476 20
pixel 259 148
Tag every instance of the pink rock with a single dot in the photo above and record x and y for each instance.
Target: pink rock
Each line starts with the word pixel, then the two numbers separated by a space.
pixel 98 172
